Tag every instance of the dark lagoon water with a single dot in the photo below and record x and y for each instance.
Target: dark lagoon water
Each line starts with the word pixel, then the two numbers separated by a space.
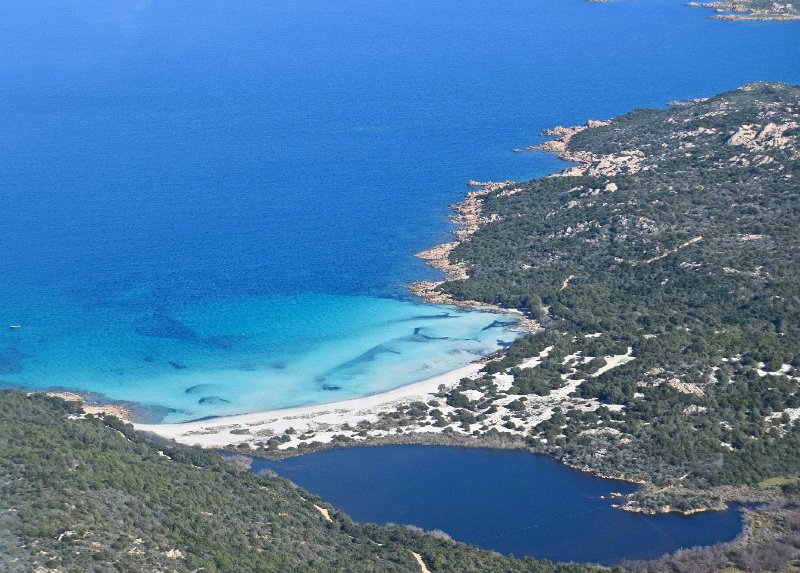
pixel 211 207
pixel 502 500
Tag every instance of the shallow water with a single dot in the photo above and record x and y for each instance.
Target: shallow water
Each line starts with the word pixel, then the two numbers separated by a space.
pixel 227 195
pixel 501 500
pixel 233 356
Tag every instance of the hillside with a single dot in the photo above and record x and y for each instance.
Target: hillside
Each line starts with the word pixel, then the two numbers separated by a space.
pixel 88 494
pixel 664 266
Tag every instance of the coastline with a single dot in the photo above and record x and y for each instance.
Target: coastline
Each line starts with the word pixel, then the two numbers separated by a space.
pixel 393 417
pixel 92 406
pixel 468 218
pixel 305 429
pixel 587 163
pixel 323 419
pixel 733 10
pixel 363 421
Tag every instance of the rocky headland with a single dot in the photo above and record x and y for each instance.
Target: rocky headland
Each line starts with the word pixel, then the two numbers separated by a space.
pixel 468 218
pixel 751 10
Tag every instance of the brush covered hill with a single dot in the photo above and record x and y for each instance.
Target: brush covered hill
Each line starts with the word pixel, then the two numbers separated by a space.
pixel 89 494
pixel 674 243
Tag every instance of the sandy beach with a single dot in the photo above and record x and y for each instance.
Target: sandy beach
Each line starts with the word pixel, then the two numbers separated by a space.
pixel 323 419
pixel 362 419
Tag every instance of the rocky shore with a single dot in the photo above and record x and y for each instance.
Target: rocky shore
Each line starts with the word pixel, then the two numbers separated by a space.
pixel 733 10
pixel 468 218
pixel 588 163
pixel 94 407
pixel 750 10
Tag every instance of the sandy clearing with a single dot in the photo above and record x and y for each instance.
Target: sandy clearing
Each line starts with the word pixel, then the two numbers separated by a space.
pixel 92 407
pixel 675 250
pixel 536 360
pixel 325 513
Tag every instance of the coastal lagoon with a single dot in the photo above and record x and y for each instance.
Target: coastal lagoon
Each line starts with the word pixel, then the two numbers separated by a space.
pixel 502 500
pixel 211 208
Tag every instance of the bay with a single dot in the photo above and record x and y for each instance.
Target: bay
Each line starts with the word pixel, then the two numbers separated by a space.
pixel 192 191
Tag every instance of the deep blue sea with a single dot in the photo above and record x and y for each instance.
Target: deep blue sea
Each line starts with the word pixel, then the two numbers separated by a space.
pixel 502 500
pixel 211 207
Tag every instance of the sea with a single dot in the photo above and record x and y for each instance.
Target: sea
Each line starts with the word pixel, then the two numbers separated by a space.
pixel 212 207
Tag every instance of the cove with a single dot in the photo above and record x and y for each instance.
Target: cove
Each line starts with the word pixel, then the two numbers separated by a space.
pixel 212 207
pixel 502 500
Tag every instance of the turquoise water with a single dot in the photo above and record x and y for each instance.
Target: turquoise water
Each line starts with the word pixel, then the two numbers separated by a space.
pixel 211 207
pixel 245 353
pixel 501 500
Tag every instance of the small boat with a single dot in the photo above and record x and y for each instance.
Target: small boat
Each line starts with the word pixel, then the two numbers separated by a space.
pixel 14 326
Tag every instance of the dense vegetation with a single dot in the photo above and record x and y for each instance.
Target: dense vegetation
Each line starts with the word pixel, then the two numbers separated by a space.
pixel 92 495
pixel 691 258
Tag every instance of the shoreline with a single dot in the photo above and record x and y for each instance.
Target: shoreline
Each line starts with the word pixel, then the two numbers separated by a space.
pixel 300 430
pixel 468 218
pixel 90 405
pixel 591 164
pixel 733 10
pixel 317 427
pixel 233 430
pixel 229 430
pixel 214 433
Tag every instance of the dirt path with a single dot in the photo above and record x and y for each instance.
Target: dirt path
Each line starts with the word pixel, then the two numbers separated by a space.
pixel 325 513
pixel 422 566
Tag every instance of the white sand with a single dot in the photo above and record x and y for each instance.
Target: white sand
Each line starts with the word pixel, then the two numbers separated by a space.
pixel 355 419
pixel 536 360
pixel 217 432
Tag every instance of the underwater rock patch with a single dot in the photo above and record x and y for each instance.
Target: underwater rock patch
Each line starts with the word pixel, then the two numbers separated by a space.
pixel 197 388
pixel 498 324
pixel 213 400
pixel 354 367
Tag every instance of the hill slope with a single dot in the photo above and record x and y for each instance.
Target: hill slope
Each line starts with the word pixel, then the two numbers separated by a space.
pixel 91 495
pixel 674 244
